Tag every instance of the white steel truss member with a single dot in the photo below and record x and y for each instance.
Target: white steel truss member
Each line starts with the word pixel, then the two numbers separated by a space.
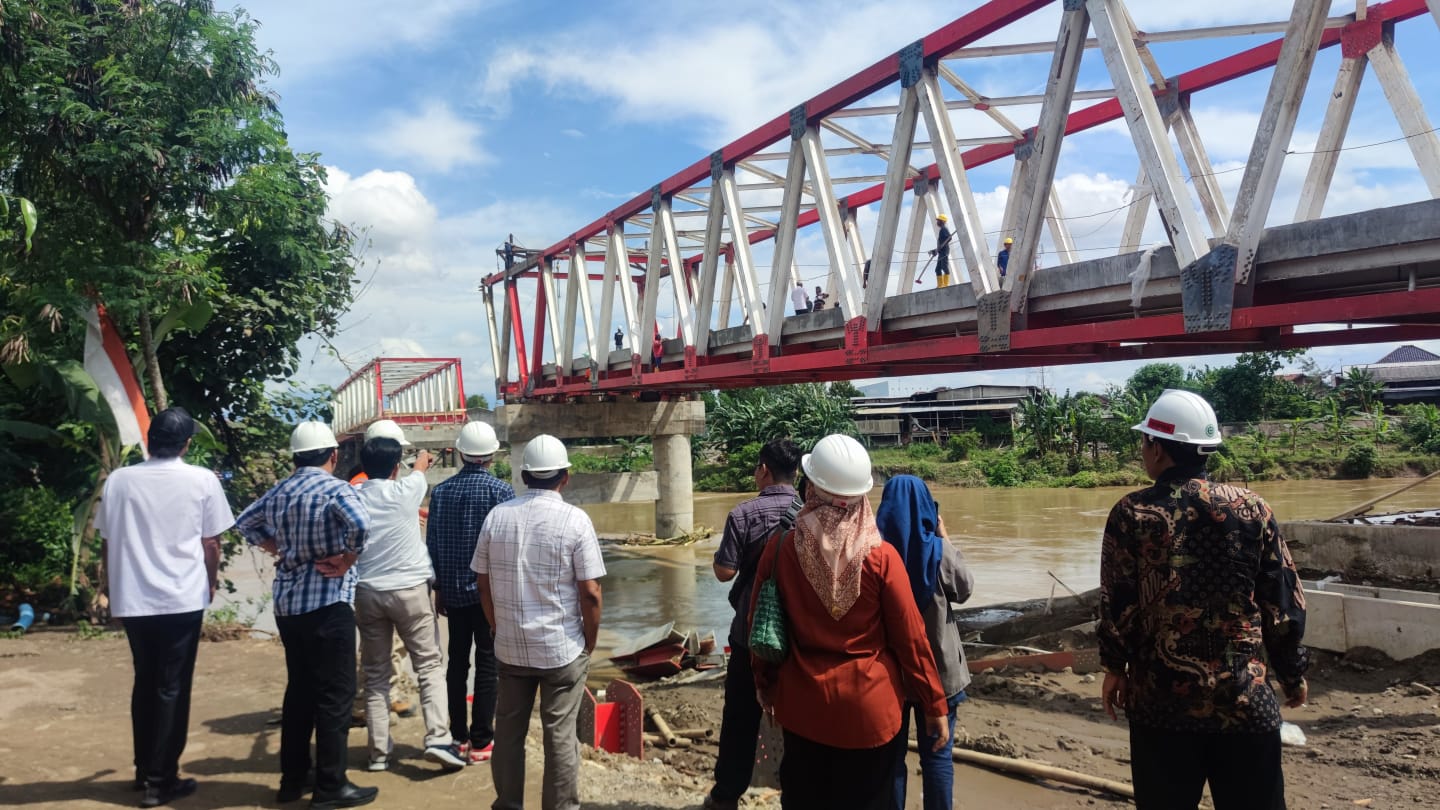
pixel 727 292
pixel 783 257
pixel 1038 178
pixel 920 218
pixel 1272 136
pixel 577 297
pixel 830 226
pixel 1141 197
pixel 1202 171
pixel 969 232
pixel 1059 233
pixel 1147 128
pixel 1332 137
pixel 1409 110
pixel 552 308
pixel 744 269
pixel 1434 6
pixel 891 201
pixel 502 370
pixel 487 297
pixel 684 313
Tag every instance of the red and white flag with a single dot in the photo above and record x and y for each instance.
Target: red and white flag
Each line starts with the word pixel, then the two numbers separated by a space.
pixel 108 363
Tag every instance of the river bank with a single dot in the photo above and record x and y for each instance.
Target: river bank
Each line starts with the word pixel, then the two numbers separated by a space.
pixel 1373 728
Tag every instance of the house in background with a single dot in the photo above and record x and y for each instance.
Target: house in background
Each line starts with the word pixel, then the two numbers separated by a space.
pixel 938 414
pixel 1409 374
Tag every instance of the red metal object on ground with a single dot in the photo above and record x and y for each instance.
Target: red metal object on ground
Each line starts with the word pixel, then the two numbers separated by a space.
pixel 617 725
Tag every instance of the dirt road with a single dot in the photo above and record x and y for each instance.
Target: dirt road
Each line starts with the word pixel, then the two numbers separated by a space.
pixel 65 738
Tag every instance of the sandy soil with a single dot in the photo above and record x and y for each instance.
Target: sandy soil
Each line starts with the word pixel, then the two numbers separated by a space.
pixel 1374 733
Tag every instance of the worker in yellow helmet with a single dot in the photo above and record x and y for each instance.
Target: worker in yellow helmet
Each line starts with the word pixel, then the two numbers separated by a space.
pixel 942 252
pixel 1003 258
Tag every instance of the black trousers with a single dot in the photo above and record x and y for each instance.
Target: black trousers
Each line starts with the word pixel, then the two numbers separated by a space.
pixel 468 629
pixel 320 663
pixel 1170 768
pixel 739 728
pixel 815 776
pixel 163 649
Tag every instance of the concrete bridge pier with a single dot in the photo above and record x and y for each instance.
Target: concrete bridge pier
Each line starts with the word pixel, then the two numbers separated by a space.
pixel 670 424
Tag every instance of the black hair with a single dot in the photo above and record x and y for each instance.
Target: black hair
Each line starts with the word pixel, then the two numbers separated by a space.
pixel 782 457
pixel 379 457
pixel 313 458
pixel 553 482
pixel 1182 453
pixel 161 450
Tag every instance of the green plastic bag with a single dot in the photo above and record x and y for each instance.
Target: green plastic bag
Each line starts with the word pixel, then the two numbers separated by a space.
pixel 768 638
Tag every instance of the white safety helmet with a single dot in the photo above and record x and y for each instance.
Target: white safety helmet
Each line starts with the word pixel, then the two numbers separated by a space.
pixel 477 439
pixel 1182 416
pixel 386 429
pixel 309 436
pixel 839 465
pixel 544 457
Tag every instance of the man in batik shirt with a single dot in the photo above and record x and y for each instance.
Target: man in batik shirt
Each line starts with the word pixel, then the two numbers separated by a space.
pixel 1199 604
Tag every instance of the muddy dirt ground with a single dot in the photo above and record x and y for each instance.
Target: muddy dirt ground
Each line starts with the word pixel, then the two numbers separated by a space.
pixel 1373 728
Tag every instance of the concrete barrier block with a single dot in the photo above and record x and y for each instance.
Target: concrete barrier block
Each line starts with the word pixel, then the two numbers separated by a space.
pixel 1325 621
pixel 1399 629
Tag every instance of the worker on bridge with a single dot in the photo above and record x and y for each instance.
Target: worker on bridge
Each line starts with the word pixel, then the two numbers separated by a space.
pixel 1002 260
pixel 800 299
pixel 941 252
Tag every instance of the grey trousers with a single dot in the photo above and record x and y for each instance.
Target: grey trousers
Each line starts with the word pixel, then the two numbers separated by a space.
pixel 408 612
pixel 560 692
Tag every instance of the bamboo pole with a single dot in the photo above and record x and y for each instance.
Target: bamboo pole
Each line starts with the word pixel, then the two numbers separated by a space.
pixel 1039 771
pixel 1365 507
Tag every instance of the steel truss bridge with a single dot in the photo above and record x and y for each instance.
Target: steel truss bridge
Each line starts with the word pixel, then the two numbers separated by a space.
pixel 1221 282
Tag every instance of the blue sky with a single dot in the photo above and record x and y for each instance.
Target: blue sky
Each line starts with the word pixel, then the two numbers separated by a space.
pixel 449 123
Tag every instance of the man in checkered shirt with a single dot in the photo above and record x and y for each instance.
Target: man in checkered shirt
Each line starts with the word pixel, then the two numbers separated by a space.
pixel 538 567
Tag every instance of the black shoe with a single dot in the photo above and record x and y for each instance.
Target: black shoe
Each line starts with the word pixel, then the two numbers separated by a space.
pixel 179 789
pixel 288 793
pixel 351 795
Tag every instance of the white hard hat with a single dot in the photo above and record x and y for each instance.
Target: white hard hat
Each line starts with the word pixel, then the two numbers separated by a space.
pixel 1182 416
pixel 386 429
pixel 839 465
pixel 477 439
pixel 312 436
pixel 544 456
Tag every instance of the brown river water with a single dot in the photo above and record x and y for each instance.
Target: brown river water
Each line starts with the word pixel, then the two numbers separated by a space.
pixel 1011 539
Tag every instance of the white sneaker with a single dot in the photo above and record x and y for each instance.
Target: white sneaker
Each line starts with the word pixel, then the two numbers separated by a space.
pixel 379 764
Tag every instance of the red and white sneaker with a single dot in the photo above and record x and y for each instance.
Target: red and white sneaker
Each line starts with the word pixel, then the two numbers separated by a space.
pixel 477 755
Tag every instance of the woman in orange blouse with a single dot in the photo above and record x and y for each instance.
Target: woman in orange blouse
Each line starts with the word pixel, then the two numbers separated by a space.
pixel 857 643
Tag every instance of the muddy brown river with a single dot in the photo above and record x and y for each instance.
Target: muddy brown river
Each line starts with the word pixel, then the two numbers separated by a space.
pixel 1011 539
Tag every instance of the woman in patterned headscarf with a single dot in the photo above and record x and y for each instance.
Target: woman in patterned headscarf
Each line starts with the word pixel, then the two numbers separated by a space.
pixel 857 644
pixel 909 520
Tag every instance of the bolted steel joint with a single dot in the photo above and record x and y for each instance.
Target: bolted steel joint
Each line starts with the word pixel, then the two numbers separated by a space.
pixel 912 63
pixel 717 165
pixel 799 122
pixel 1025 147
pixel 655 198
pixel 1207 290
pixel 1168 100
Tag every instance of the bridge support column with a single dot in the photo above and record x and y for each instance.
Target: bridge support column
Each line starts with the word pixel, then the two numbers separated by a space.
pixel 670 424
pixel 675 506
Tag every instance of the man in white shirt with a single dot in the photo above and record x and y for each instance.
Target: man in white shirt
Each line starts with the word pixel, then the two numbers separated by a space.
pixel 800 299
pixel 162 521
pixel 538 567
pixel 393 595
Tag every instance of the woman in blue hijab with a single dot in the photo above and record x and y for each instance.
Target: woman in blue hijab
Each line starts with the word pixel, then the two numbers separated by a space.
pixel 909 520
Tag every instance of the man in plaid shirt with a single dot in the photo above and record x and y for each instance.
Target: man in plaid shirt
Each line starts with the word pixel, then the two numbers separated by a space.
pixel 315 524
pixel 458 508
pixel 538 568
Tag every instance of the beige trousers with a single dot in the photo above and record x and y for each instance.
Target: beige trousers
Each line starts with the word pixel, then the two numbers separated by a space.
pixel 379 616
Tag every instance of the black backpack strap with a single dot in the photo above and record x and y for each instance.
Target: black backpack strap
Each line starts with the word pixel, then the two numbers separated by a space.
pixel 746 573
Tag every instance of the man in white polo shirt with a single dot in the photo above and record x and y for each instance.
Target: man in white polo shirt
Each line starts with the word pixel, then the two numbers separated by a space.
pixel 538 569
pixel 393 596
pixel 161 521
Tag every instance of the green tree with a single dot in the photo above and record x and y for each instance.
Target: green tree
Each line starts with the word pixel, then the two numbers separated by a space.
pixel 1150 379
pixel 1249 391
pixel 477 401
pixel 1359 390
pixel 803 413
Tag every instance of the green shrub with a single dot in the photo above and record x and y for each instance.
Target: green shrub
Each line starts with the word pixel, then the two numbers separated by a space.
pixel 923 450
pixel 36 524
pixel 1002 470
pixel 502 470
pixel 1085 480
pixel 1360 461
pixel 961 445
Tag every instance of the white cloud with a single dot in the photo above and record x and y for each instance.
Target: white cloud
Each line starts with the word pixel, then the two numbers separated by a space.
pixel 313 36
pixel 433 137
